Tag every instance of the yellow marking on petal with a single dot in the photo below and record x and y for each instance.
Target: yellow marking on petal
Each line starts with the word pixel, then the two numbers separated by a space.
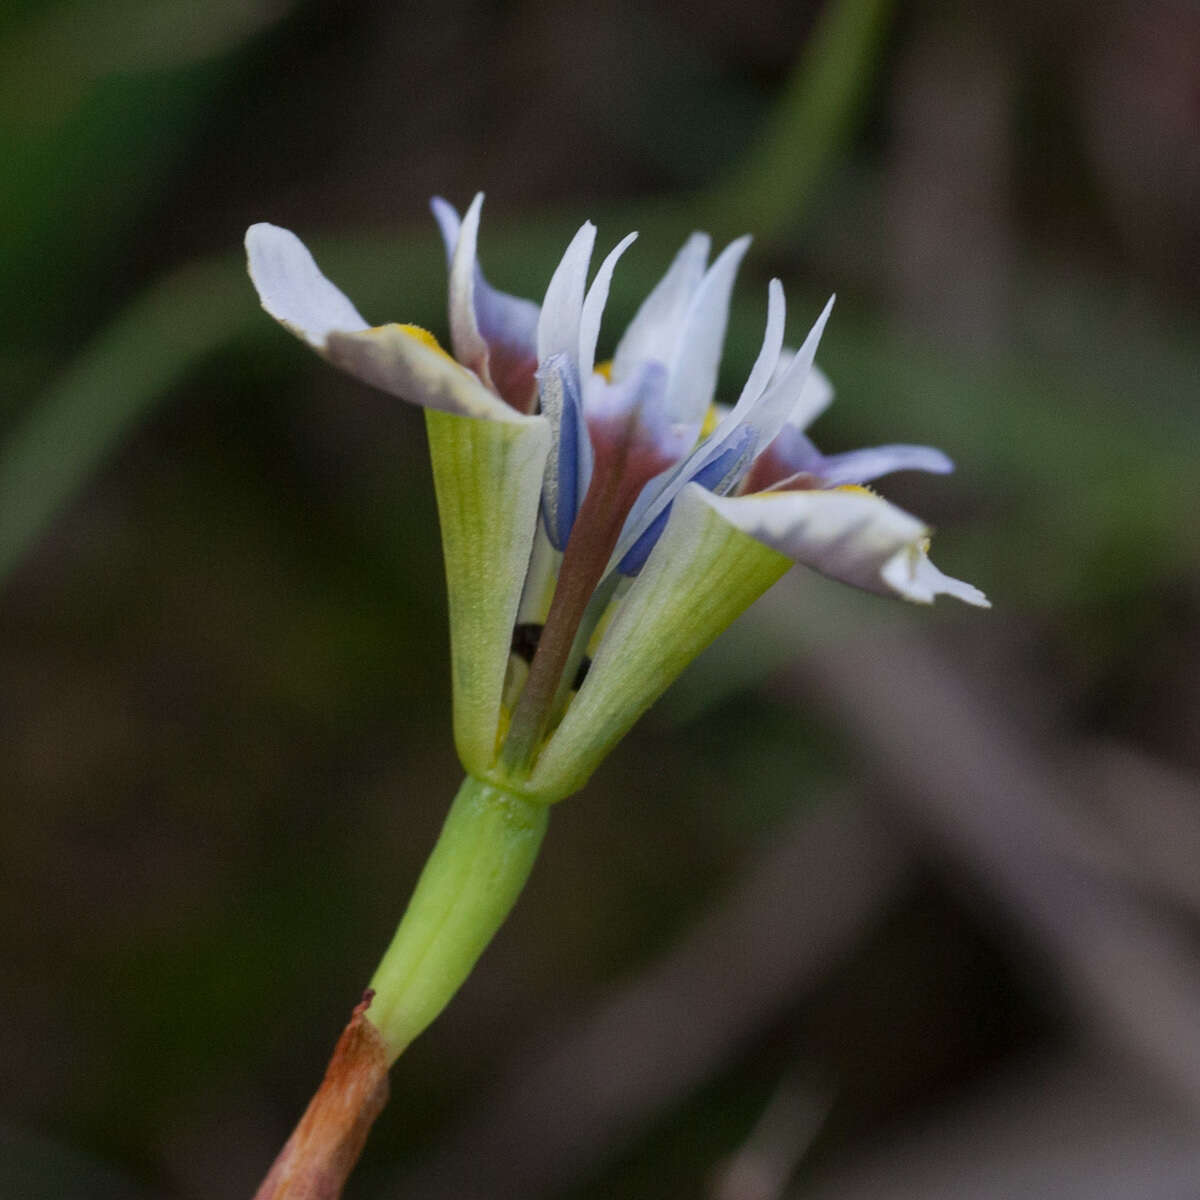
pixel 425 338
pixel 857 487
pixel 604 370
pixel 711 420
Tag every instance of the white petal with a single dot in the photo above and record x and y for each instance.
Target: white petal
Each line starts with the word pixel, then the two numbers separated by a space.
pixel 911 573
pixel 449 223
pixel 761 411
pixel 396 360
pixel 764 369
pixel 562 310
pixel 698 351
pixel 593 306
pixel 815 396
pixel 654 331
pixel 768 355
pixel 853 536
pixel 292 288
pixel 469 347
pixel 781 398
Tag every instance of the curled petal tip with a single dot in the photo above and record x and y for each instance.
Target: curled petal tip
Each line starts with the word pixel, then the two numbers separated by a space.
pixel 911 574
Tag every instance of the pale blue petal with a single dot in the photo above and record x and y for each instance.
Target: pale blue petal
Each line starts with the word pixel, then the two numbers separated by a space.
pixel 815 396
pixel 795 452
pixel 721 472
pixel 648 515
pixel 717 475
pixel 569 467
pixel 637 398
pixel 751 424
pixel 642 525
pixel 507 323
pixel 635 559
pixel 654 331
pixel 861 466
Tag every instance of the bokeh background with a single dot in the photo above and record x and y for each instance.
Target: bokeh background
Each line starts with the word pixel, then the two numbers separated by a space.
pixel 878 902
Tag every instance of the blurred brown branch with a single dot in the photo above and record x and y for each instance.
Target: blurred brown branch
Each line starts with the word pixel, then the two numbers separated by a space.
pixel 996 805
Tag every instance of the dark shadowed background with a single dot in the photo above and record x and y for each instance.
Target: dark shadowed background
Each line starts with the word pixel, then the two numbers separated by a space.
pixel 879 902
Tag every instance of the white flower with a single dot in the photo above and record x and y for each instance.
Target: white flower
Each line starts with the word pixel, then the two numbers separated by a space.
pixel 628 465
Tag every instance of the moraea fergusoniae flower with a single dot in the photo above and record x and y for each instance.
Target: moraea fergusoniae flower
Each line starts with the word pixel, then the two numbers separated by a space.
pixel 606 514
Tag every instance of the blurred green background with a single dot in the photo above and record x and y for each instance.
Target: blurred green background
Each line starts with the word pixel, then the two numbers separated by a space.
pixel 878 902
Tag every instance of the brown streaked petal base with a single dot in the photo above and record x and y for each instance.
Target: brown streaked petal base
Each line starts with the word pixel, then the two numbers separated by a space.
pixel 317 1159
pixel 625 461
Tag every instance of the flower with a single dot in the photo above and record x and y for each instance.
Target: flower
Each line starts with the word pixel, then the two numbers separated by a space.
pixel 586 506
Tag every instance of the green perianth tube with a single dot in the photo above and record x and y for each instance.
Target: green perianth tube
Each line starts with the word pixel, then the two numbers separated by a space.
pixel 473 877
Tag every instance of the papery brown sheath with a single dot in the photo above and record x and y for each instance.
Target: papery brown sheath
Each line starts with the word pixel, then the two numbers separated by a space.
pixel 317 1159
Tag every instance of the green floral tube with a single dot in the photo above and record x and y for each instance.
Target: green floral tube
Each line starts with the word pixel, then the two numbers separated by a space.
pixel 470 883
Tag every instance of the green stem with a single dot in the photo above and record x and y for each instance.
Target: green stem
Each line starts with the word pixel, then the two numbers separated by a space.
pixel 470 883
